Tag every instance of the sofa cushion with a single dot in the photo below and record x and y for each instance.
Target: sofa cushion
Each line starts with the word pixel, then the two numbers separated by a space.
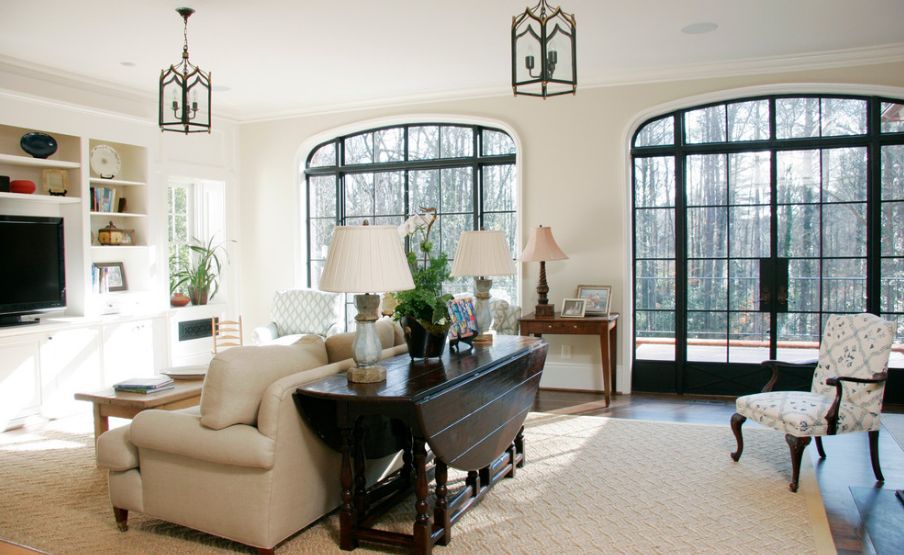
pixel 238 377
pixel 340 346
pixel 305 311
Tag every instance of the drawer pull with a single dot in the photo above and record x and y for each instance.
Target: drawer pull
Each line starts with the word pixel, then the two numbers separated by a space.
pixel 575 326
pixel 549 326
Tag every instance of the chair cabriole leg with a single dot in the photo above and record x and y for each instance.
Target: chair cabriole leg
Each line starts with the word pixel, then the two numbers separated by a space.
pixel 819 449
pixel 736 422
pixel 874 454
pixel 797 445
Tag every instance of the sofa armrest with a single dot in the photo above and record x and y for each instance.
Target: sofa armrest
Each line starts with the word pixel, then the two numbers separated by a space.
pixel 115 451
pixel 265 334
pixel 181 433
pixel 282 389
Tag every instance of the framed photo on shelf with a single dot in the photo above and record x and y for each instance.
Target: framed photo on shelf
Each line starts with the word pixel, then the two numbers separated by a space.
pixel 597 297
pixel 56 182
pixel 109 276
pixel 573 308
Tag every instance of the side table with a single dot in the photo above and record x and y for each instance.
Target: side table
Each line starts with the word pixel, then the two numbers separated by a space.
pixel 603 326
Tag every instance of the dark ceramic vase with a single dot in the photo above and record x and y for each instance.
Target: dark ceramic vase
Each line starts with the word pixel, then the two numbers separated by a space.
pixel 421 343
pixel 39 145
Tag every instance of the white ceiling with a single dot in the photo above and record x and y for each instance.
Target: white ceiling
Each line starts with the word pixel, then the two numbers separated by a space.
pixel 280 57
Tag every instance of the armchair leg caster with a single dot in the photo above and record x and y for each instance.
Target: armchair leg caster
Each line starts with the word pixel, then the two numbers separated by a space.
pixel 122 518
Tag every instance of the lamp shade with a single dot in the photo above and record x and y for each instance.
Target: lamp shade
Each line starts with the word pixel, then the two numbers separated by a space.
pixel 542 246
pixel 366 259
pixel 482 253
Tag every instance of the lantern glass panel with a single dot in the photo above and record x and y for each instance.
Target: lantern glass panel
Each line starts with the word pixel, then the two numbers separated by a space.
pixel 527 50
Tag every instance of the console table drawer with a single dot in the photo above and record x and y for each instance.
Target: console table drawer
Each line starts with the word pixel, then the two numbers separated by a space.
pixel 563 327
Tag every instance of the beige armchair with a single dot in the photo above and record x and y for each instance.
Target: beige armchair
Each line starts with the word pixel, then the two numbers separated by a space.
pixel 243 465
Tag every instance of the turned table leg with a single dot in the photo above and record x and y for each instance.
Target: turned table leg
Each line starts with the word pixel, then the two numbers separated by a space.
pixel 441 511
pixel 423 545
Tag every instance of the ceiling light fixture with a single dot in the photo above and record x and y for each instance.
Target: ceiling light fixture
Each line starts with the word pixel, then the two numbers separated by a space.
pixel 184 92
pixel 546 35
pixel 700 28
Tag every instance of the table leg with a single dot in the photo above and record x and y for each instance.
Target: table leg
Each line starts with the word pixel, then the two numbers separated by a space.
pixel 606 364
pixel 440 511
pixel 347 541
pixel 519 446
pixel 613 351
pixel 422 525
pixel 101 422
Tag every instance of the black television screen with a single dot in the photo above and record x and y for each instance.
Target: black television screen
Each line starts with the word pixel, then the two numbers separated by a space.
pixel 32 266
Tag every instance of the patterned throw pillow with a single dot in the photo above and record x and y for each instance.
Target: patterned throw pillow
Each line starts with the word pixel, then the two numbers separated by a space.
pixel 305 311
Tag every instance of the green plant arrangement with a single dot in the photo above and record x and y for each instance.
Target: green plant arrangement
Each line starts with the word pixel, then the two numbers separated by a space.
pixel 201 277
pixel 426 303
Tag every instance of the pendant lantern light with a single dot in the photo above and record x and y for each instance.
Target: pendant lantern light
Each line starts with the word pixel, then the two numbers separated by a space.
pixel 184 92
pixel 544 52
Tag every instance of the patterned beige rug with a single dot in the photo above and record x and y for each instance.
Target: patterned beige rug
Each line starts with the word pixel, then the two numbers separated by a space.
pixel 591 485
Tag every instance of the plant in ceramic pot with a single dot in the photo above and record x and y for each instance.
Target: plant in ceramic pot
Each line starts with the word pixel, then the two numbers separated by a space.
pixel 423 311
pixel 201 275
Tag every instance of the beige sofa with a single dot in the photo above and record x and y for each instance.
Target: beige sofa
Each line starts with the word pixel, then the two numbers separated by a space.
pixel 243 465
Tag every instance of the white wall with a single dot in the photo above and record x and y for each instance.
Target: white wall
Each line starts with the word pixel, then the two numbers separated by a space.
pixel 575 179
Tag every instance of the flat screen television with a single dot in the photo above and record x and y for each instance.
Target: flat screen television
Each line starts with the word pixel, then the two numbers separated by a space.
pixel 32 267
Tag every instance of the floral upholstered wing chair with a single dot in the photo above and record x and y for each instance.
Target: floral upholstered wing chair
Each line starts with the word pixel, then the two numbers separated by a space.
pixel 845 395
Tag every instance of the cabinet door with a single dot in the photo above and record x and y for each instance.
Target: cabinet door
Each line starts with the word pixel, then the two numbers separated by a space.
pixel 70 364
pixel 19 391
pixel 129 351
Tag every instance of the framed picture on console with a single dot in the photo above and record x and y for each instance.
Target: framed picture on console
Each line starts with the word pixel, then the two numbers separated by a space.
pixel 597 297
pixel 573 308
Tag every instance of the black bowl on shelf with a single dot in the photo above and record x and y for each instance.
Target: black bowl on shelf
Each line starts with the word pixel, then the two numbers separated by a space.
pixel 39 145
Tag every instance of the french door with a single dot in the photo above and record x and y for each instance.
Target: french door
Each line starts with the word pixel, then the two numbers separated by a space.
pixel 755 220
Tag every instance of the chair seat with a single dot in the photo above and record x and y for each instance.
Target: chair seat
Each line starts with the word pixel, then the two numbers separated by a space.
pixel 802 413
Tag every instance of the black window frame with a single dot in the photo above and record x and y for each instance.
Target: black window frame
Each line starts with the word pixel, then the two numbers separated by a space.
pixel 680 150
pixel 476 162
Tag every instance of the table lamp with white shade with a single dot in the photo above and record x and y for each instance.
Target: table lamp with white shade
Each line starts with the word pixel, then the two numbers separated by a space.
pixel 541 246
pixel 483 254
pixel 365 260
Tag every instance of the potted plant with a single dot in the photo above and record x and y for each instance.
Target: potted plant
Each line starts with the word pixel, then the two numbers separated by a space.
pixel 201 275
pixel 423 311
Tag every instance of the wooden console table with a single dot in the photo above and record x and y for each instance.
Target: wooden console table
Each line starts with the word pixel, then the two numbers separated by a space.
pixel 469 407
pixel 603 326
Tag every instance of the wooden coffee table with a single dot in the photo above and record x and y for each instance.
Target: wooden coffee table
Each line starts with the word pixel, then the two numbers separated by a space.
pixel 109 402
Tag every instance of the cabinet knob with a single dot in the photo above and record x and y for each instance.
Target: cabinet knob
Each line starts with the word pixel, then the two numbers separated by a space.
pixel 549 326
pixel 575 326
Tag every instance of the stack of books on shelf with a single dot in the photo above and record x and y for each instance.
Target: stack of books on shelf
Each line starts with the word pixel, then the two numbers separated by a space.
pixel 145 385
pixel 103 199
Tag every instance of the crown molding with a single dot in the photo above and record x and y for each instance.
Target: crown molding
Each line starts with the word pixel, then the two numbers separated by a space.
pixel 67 79
pixel 888 53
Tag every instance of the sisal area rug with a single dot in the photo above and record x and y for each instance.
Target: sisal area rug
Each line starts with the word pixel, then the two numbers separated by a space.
pixel 591 485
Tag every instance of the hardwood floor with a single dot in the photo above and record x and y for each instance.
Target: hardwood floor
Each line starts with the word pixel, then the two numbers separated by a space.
pixel 847 461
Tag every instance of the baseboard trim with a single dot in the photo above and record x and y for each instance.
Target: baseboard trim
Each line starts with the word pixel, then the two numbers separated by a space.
pixel 570 390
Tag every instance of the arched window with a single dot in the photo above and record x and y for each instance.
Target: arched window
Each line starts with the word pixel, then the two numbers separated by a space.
pixel 466 172
pixel 754 220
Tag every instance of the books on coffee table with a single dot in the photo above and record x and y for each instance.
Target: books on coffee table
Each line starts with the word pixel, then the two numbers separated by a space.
pixel 145 385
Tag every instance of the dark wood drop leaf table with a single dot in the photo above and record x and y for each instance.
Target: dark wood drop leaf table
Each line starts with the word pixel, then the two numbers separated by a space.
pixel 468 408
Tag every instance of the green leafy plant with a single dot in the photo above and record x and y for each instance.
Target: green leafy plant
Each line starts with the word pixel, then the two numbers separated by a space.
pixel 201 276
pixel 426 303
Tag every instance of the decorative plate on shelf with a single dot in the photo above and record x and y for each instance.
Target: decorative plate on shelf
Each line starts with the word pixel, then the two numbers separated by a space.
pixel 105 161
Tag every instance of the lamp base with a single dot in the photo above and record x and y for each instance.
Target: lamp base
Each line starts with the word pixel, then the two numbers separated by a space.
pixel 483 339
pixel 545 311
pixel 366 374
